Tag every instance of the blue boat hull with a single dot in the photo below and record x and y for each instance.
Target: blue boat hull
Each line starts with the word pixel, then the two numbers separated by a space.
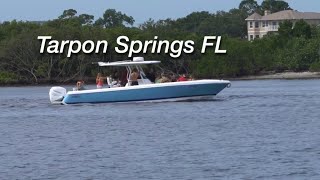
pixel 145 94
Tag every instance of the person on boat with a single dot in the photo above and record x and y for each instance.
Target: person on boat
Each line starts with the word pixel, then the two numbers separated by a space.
pixel 173 77
pixel 134 77
pixel 80 85
pixel 191 78
pixel 100 80
pixel 164 79
pixel 151 75
pixel 158 78
pixel 182 78
pixel 123 78
pixel 114 81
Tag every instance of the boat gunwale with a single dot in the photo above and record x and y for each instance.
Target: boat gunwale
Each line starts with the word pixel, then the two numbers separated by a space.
pixel 145 86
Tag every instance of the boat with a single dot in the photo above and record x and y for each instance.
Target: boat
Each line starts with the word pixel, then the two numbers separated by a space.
pixel 144 91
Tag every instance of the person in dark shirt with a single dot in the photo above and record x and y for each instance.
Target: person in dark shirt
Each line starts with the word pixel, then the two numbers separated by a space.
pixel 80 85
pixel 151 75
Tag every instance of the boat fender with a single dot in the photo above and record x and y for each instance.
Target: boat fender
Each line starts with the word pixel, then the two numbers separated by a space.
pixel 229 85
pixel 57 94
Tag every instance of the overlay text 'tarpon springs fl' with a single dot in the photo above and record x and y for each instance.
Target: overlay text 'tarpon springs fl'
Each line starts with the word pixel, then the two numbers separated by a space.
pixel 127 46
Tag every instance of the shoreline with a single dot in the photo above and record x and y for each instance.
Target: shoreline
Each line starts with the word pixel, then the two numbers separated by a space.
pixel 275 76
pixel 282 76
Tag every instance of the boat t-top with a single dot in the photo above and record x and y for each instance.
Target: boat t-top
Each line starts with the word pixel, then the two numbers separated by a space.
pixel 144 91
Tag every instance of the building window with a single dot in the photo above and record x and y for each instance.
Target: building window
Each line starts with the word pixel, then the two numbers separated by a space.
pixel 265 23
pixel 256 24
pixel 257 36
pixel 251 37
pixel 274 25
pixel 251 25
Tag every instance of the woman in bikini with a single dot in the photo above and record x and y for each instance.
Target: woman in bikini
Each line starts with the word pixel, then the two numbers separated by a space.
pixel 100 80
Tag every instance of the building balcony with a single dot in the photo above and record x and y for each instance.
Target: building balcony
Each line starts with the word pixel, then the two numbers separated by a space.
pixel 267 29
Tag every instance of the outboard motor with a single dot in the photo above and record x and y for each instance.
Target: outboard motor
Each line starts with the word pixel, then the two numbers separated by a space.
pixel 57 94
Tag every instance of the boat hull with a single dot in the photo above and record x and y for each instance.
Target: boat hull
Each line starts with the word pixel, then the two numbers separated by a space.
pixel 152 92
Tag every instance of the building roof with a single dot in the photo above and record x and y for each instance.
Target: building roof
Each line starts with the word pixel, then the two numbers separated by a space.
pixel 254 16
pixel 286 15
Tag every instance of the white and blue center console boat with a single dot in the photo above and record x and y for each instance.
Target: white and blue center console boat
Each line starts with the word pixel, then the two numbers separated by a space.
pixel 144 91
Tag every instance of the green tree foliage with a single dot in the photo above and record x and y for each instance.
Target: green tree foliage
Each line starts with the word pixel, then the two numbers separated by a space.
pixel 86 19
pixel 301 28
pixel 286 29
pixel 112 18
pixel 315 67
pixel 230 23
pixel 249 6
pixel 275 5
pixel 7 77
pixel 69 13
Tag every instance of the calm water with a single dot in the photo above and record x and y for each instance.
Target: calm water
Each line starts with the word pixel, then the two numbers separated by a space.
pixel 254 130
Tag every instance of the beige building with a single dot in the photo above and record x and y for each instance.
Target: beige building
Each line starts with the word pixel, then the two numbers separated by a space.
pixel 258 26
